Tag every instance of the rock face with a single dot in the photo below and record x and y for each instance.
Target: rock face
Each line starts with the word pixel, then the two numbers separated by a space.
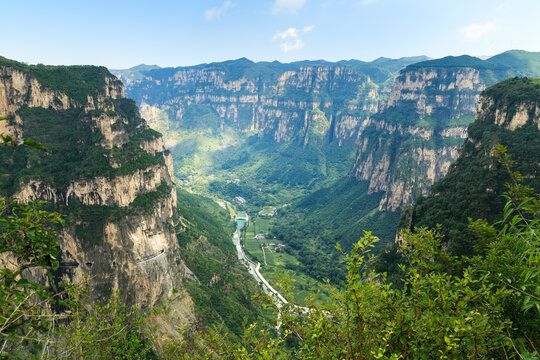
pixel 415 136
pixel 284 110
pixel 509 114
pixel 438 90
pixel 121 190
pixel 105 170
pixel 418 133
pixel 406 135
pixel 303 102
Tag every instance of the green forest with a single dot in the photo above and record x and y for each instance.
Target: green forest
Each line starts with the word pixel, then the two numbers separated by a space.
pixel 455 276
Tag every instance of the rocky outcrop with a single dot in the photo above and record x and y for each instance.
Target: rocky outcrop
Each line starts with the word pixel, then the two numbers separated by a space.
pixel 436 90
pixel 474 186
pixel 116 190
pixel 522 114
pixel 278 102
pixel 416 136
pixel 18 89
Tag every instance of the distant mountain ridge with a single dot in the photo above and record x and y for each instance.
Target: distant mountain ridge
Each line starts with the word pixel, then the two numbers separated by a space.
pixel 382 62
pixel 394 126
pixel 424 121
pixel 274 97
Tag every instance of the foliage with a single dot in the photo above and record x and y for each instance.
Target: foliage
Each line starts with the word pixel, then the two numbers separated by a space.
pixel 224 289
pixel 256 343
pixel 435 316
pixel 78 82
pixel 512 259
pixel 28 238
pixel 489 310
pixel 96 331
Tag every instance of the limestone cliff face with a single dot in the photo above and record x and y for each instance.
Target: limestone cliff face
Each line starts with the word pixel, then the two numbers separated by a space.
pixel 525 112
pixel 105 170
pixel 416 136
pixel 285 105
pixel 434 90
pixel 118 191
pixel 508 114
pixel 23 90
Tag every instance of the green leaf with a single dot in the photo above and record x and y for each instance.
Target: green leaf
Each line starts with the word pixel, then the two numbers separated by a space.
pixel 34 144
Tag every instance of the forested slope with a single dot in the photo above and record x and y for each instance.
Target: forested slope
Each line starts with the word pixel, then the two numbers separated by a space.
pixel 508 114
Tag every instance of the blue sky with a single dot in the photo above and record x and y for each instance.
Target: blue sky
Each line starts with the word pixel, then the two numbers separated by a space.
pixel 121 34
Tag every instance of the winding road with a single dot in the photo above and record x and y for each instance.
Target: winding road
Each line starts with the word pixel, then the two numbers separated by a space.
pixel 254 271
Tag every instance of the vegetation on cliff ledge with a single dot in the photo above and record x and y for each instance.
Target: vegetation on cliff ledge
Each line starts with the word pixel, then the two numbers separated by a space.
pixel 489 310
pixel 475 182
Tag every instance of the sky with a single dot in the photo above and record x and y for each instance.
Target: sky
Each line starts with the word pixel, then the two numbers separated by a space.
pixel 120 34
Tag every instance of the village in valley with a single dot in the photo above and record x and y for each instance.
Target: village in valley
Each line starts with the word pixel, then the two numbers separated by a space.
pixel 261 247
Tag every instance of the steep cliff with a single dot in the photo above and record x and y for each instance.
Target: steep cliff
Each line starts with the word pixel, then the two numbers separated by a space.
pixel 273 126
pixel 402 150
pixel 104 169
pixel 414 138
pixel 508 113
pixel 283 101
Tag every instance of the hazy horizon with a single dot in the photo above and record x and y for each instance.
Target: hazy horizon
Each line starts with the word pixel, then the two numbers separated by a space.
pixel 122 34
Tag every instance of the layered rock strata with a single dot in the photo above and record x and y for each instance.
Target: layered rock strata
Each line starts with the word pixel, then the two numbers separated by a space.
pixel 109 174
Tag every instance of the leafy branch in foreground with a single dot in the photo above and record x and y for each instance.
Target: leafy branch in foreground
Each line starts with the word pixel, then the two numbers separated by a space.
pixel 448 308
pixel 8 140
pixel 54 322
pixel 27 239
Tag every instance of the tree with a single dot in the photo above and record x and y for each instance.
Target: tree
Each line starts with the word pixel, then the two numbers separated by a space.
pixel 40 319
pixel 488 309
pixel 27 240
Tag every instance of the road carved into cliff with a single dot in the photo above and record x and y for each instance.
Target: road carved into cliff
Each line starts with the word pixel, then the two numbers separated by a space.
pixel 151 258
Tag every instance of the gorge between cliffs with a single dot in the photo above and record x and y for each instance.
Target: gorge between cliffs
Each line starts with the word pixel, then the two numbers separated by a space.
pixel 233 208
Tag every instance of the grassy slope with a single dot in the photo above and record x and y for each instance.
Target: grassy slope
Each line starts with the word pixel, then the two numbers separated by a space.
pixel 225 289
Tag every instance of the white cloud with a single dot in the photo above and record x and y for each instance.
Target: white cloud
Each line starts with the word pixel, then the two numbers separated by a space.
pixel 216 12
pixel 288 6
pixel 292 33
pixel 476 31
pixel 289 33
pixel 288 46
